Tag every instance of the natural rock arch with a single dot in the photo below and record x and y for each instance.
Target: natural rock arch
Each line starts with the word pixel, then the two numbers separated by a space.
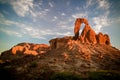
pixel 78 23
pixel 88 35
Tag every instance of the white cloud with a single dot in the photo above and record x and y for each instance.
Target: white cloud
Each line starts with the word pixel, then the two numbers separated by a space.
pixel 100 22
pixel 89 3
pixel 103 4
pixel 63 34
pixel 26 29
pixel 22 7
pixel 63 14
pixel 11 32
pixel 54 18
pixel 50 4
pixel 79 15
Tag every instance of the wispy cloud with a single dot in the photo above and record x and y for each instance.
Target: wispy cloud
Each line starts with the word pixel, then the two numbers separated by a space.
pixel 1 15
pixel 63 14
pixel 77 15
pixel 100 22
pixel 103 4
pixel 11 32
pixel 50 4
pixel 54 18
pixel 22 7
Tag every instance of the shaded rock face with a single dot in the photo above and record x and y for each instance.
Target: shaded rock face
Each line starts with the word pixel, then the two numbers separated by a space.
pixel 103 39
pixel 88 35
pixel 28 48
pixel 59 42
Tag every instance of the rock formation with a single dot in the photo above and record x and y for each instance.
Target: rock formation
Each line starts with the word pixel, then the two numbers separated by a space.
pixel 88 52
pixel 78 23
pixel 103 39
pixel 88 35
pixel 29 48
pixel 59 42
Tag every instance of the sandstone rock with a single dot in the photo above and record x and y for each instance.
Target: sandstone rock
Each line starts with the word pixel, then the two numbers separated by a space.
pixel 17 48
pixel 78 23
pixel 107 39
pixel 91 36
pixel 100 38
pixel 103 39
pixel 29 48
pixel 32 52
pixel 59 42
pixel 88 35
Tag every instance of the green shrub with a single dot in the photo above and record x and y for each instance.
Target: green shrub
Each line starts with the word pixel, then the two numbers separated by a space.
pixel 64 76
pixel 104 75
pixel 33 64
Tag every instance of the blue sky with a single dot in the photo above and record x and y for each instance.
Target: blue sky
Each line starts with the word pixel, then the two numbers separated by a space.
pixel 38 21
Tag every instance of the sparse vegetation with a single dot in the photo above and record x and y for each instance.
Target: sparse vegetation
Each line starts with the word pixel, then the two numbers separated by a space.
pixel 33 64
pixel 65 76
pixel 104 75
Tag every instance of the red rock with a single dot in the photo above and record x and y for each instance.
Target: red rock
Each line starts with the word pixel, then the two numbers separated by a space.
pixel 28 48
pixel 88 35
pixel 107 39
pixel 17 48
pixel 78 23
pixel 103 39
pixel 58 42
pixel 100 38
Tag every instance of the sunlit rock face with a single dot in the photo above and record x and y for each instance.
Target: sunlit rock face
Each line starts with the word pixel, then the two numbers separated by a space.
pixel 59 42
pixel 88 35
pixel 103 39
pixel 28 48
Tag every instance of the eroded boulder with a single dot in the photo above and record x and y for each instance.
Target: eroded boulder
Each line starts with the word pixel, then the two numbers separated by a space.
pixel 29 48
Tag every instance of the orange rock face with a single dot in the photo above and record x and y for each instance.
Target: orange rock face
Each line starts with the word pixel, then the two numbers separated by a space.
pixel 88 35
pixel 103 39
pixel 17 48
pixel 58 42
pixel 28 48
pixel 78 23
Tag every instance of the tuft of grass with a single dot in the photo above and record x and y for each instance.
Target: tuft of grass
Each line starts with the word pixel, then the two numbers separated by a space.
pixel 104 75
pixel 65 76
pixel 33 64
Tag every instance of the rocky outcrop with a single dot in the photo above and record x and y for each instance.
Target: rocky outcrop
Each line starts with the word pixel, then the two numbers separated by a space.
pixel 63 55
pixel 103 39
pixel 88 35
pixel 78 23
pixel 59 42
pixel 29 48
